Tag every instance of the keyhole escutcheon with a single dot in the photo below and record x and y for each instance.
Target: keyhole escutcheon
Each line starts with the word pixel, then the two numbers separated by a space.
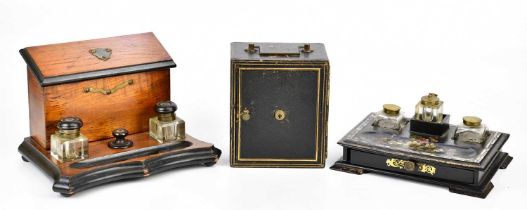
pixel 279 114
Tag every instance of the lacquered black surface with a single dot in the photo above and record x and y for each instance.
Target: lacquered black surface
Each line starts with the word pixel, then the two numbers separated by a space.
pixel 286 78
pixel 378 161
pixel 481 189
pixel 438 130
pixel 295 92
pixel 465 168
pixel 468 155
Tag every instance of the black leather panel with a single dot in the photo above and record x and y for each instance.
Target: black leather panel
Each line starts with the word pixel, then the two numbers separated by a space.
pixel 293 91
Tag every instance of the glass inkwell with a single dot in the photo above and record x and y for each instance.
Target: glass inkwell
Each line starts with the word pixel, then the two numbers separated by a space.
pixel 68 144
pixel 390 118
pixel 429 120
pixel 166 126
pixel 429 109
pixel 471 130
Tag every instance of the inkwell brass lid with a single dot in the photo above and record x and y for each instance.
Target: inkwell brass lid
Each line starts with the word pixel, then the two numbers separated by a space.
pixel 431 100
pixel 391 109
pixel 472 121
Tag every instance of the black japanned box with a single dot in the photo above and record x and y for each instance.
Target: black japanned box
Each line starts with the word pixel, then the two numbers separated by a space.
pixel 279 105
pixel 464 167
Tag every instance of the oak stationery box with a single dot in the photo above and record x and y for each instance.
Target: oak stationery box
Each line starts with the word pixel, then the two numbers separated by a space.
pixel 279 104
pixel 108 83
pixel 107 89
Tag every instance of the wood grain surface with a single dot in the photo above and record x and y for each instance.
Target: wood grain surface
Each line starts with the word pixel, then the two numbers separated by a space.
pixel 37 122
pixel 74 57
pixel 129 107
pixel 100 149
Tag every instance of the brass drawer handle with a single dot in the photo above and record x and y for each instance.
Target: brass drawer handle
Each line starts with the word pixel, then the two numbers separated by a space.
pixel 401 164
pixel 108 91
pixel 410 166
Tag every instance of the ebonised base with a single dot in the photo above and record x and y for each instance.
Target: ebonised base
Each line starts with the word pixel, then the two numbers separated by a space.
pixel 481 191
pixel 107 165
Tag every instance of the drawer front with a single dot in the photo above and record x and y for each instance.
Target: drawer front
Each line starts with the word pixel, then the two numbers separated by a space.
pixel 125 101
pixel 414 167
pixel 279 116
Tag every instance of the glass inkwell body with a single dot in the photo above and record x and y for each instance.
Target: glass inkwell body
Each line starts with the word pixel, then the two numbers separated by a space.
pixel 390 117
pixel 68 144
pixel 471 130
pixel 166 126
pixel 429 109
pixel 429 120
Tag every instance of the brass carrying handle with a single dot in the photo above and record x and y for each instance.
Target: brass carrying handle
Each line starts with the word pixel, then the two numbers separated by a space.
pixel 109 91
pixel 253 48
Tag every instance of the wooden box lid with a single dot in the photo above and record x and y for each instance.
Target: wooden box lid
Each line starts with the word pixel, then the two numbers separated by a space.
pixel 83 60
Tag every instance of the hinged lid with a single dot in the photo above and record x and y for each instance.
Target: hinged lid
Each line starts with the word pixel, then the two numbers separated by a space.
pixel 83 60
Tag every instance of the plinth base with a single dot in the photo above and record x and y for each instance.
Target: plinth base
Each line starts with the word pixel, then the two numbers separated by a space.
pixel 481 190
pixel 105 165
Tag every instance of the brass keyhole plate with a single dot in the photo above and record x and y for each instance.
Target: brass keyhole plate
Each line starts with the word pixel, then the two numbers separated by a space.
pixel 102 53
pixel 279 114
pixel 246 115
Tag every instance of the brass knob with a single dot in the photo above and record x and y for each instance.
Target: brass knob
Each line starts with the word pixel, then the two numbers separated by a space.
pixel 409 165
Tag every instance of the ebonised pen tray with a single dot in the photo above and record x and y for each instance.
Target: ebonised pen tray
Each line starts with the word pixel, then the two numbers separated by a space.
pixel 146 157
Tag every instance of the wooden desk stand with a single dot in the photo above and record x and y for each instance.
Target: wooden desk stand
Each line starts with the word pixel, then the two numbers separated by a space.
pixel 105 165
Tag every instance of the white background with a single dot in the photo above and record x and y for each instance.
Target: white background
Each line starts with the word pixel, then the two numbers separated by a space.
pixel 472 53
